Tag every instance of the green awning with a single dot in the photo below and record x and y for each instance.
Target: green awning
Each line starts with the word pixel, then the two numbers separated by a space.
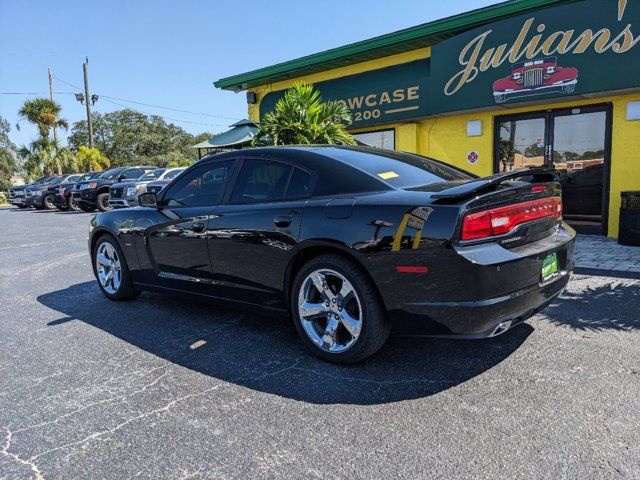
pixel 241 133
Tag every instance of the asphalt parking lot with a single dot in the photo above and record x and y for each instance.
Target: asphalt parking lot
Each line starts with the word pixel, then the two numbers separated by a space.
pixel 165 388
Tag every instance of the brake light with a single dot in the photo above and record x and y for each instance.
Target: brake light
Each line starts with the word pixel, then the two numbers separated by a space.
pixel 501 220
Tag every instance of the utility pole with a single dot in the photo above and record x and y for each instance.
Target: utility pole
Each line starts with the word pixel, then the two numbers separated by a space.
pixel 55 129
pixel 87 99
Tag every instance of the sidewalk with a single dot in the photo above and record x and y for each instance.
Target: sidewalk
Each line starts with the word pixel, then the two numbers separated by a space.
pixel 597 255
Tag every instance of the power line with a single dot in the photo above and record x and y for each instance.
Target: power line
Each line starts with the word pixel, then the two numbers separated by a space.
pixel 155 106
pixel 166 118
pixel 169 108
pixel 35 93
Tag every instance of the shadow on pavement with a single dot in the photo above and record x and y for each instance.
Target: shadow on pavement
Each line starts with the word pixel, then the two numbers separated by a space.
pixel 265 353
pixel 611 306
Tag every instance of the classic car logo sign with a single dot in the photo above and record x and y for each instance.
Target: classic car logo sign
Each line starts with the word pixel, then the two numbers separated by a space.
pixel 535 77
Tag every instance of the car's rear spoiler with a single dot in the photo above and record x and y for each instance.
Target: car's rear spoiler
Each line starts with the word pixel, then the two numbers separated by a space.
pixel 482 185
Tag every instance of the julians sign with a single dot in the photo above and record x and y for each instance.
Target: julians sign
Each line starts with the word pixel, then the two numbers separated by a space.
pixel 379 96
pixel 581 47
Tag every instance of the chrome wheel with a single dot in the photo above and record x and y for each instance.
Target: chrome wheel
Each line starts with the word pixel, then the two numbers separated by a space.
pixel 108 268
pixel 330 310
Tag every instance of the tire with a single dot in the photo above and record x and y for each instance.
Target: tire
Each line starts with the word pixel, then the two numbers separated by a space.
pixel 87 208
pixel 47 203
pixel 334 342
pixel 102 201
pixel 569 88
pixel 107 256
pixel 72 206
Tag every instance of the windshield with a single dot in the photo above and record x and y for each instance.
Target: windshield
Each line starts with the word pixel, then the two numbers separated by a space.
pixel 111 174
pixel 152 175
pixel 398 169
pixel 40 180
pixel 173 174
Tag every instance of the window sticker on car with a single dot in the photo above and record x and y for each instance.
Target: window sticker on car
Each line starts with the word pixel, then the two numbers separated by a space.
pixel 388 175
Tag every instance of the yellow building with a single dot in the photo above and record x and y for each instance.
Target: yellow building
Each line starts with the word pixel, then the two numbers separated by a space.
pixel 521 84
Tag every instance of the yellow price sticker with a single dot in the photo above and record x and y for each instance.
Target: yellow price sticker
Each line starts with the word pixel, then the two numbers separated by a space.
pixel 388 175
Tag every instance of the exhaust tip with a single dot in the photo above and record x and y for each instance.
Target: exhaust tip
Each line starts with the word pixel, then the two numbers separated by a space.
pixel 501 328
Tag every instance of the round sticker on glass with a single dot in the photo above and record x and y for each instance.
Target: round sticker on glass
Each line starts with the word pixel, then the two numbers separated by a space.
pixel 473 157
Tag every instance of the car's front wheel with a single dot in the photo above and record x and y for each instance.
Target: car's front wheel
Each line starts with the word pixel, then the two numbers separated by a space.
pixel 47 203
pixel 102 201
pixel 111 270
pixel 72 206
pixel 338 311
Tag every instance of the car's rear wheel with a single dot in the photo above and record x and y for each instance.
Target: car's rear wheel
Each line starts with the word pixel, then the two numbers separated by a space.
pixel 47 202
pixel 102 201
pixel 338 311
pixel 72 206
pixel 111 270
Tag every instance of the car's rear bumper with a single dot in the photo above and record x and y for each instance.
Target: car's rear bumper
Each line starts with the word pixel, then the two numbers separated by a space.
pixel 482 318
pixel 487 291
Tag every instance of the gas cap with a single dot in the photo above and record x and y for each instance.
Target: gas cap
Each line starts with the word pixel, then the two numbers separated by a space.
pixel 339 207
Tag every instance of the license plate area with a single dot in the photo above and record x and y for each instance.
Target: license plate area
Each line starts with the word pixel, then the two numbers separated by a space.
pixel 550 267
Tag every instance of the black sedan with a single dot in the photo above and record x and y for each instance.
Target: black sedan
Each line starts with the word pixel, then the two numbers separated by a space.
pixel 349 241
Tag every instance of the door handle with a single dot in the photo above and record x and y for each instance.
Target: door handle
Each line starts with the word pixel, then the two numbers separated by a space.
pixel 197 227
pixel 282 221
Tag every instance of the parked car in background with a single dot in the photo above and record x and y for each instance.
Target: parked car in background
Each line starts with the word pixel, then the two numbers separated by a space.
pixel 41 196
pixel 94 193
pixel 47 198
pixel 125 194
pixel 17 194
pixel 62 197
pixel 157 185
pixel 349 241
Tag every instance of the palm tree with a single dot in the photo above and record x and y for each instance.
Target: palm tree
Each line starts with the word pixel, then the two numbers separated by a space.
pixel 47 157
pixel 91 160
pixel 301 117
pixel 43 113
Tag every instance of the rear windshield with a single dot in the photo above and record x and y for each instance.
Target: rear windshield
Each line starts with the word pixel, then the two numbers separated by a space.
pixel 398 169
pixel 113 173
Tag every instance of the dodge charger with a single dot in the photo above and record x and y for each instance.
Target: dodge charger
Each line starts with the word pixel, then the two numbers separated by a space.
pixel 350 242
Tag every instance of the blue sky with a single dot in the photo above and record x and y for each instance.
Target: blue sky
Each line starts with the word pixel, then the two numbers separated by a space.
pixel 168 53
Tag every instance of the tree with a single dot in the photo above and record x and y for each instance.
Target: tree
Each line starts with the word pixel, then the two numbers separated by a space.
pixel 91 160
pixel 47 157
pixel 8 163
pixel 128 137
pixel 43 113
pixel 301 117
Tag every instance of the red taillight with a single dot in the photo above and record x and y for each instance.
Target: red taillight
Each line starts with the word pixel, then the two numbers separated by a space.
pixel 501 220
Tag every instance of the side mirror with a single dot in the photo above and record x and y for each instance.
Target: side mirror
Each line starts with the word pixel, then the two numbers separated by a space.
pixel 147 199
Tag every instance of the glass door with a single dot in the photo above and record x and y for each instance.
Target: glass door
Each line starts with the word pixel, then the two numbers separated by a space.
pixel 576 143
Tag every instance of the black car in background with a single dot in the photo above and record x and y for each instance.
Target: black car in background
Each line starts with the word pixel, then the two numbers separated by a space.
pixel 46 198
pixel 17 194
pixel 347 240
pixel 41 196
pixel 94 193
pixel 62 198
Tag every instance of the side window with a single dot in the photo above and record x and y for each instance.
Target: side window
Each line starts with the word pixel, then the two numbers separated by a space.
pixel 299 185
pixel 133 173
pixel 201 187
pixel 261 181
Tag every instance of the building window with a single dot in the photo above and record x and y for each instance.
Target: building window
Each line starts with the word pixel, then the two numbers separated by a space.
pixel 378 139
